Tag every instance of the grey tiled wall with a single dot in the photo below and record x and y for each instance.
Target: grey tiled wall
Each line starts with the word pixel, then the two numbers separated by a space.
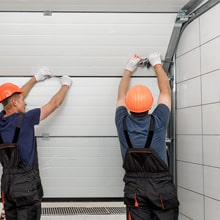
pixel 198 118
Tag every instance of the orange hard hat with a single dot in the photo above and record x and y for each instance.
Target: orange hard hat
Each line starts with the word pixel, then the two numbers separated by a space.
pixel 139 99
pixel 8 89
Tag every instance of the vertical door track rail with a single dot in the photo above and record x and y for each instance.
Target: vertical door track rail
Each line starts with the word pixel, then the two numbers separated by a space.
pixel 186 15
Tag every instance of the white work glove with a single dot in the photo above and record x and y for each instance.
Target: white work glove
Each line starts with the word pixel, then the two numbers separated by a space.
pixel 42 74
pixel 66 80
pixel 155 58
pixel 132 63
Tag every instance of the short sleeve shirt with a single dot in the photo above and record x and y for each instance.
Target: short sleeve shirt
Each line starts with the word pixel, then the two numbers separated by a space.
pixel 138 128
pixel 26 141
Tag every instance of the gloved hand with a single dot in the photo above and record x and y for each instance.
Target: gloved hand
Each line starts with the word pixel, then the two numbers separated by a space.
pixel 132 63
pixel 66 80
pixel 42 74
pixel 155 58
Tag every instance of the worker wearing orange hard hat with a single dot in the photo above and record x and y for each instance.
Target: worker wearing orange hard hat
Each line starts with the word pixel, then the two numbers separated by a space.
pixel 7 90
pixel 139 99
pixel 149 192
pixel 21 189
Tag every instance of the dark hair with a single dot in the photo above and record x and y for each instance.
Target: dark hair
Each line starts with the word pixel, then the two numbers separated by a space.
pixel 5 101
pixel 139 114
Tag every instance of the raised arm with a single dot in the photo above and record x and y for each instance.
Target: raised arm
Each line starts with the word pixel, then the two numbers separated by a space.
pixel 125 80
pixel 57 99
pixel 162 79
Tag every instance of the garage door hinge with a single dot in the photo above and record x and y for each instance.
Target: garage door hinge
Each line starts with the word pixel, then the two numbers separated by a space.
pixel 48 13
pixel 45 136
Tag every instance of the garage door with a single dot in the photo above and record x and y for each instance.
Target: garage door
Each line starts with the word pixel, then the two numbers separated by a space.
pixel 78 148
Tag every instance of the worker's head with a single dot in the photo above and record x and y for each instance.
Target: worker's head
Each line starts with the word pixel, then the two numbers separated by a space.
pixel 139 99
pixel 7 90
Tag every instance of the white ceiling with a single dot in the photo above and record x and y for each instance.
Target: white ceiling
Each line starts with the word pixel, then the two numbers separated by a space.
pixel 93 5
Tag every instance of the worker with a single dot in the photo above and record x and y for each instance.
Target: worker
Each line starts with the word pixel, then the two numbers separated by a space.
pixel 149 192
pixel 21 187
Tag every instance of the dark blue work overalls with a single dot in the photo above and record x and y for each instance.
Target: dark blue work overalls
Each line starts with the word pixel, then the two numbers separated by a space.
pixel 20 184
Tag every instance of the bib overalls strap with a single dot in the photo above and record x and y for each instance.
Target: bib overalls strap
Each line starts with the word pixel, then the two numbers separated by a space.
pixel 143 161
pixel 9 156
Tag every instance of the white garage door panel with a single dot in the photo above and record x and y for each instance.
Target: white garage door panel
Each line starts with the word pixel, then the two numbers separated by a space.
pixel 88 109
pixel 76 131
pixel 83 187
pixel 81 167
pixel 80 44
pixel 78 147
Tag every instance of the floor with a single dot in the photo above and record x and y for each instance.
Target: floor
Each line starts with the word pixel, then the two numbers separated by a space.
pixel 83 205
pixel 85 217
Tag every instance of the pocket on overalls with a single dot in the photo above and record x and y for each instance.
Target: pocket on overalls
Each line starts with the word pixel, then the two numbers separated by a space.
pixel 169 200
pixel 130 199
pixel 23 189
pixel 163 194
